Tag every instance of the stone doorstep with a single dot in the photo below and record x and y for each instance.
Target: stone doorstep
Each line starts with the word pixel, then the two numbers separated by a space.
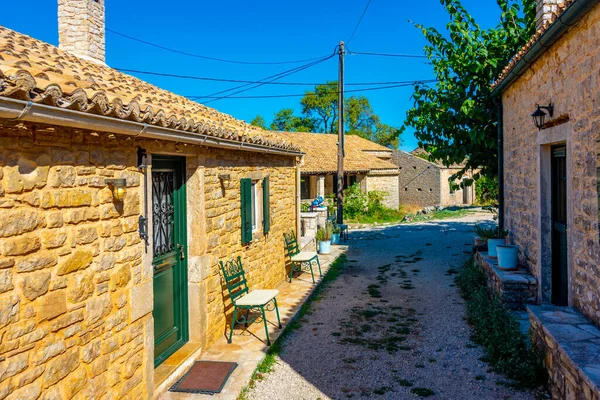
pixel 519 277
pixel 249 348
pixel 576 338
pixel 166 374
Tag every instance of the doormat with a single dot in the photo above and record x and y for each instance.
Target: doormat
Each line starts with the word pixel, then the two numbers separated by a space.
pixel 205 377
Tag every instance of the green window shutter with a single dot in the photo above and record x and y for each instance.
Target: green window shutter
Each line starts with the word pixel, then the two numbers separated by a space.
pixel 266 206
pixel 246 214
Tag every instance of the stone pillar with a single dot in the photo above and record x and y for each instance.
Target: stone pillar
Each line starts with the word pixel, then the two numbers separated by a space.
pixel 81 28
pixel 544 10
pixel 321 186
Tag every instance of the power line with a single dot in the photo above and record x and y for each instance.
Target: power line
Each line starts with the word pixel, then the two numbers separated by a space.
pixel 268 79
pixel 364 53
pixel 185 53
pixel 315 94
pixel 359 21
pixel 202 78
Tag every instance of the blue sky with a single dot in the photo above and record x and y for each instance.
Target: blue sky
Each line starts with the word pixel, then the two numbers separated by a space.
pixel 265 31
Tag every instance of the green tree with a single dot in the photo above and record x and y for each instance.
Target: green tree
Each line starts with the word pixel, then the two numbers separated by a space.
pixel 320 114
pixel 321 105
pixel 456 120
pixel 285 120
pixel 259 121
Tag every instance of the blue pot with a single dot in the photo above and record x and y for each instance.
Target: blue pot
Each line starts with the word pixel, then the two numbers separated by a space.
pixel 492 243
pixel 508 256
pixel 325 247
pixel 335 238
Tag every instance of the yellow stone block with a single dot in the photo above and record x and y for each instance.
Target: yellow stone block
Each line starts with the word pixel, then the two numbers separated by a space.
pixel 79 260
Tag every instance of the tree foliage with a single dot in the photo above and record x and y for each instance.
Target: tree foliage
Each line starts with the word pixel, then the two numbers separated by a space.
pixel 320 114
pixel 285 120
pixel 259 121
pixel 456 120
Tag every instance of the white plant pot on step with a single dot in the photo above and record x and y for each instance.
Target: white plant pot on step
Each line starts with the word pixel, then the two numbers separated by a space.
pixel 508 257
pixel 492 243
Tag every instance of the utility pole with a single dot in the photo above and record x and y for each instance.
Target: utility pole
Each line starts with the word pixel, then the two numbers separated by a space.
pixel 340 175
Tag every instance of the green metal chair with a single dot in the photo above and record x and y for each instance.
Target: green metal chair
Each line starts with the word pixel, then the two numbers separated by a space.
pixel 255 301
pixel 300 259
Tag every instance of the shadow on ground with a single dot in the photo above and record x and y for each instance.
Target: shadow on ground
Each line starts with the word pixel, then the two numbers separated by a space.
pixel 391 326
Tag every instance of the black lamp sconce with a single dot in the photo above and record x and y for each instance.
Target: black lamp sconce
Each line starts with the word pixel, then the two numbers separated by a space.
pixel 539 115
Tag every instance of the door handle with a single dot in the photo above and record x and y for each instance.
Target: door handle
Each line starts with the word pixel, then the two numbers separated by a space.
pixel 181 251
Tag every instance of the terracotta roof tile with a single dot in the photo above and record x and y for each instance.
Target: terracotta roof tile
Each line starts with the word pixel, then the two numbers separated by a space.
pixel 561 7
pixel 321 153
pixel 36 71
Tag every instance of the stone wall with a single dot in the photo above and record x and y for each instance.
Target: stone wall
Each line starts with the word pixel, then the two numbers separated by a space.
pixel 75 278
pixel 568 343
pixel 455 197
pixel 566 74
pixel 419 181
pixel 387 183
pixel 81 28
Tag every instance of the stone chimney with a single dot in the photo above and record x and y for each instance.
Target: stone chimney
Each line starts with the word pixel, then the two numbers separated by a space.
pixel 81 28
pixel 544 10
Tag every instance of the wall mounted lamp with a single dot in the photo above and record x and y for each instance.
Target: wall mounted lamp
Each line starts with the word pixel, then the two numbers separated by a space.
pixel 118 188
pixel 225 180
pixel 539 115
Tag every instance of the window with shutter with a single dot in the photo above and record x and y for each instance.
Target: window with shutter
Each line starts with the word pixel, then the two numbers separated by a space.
pixel 246 209
pixel 266 206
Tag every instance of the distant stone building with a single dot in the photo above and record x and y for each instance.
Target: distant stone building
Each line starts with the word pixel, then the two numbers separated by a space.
pixel 551 182
pixel 365 163
pixel 426 184
pixel 117 201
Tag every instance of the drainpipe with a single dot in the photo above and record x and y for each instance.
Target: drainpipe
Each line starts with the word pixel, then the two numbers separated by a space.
pixel 500 164
pixel 299 164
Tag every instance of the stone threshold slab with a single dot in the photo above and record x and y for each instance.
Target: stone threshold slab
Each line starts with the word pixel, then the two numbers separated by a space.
pixel 249 345
pixel 575 337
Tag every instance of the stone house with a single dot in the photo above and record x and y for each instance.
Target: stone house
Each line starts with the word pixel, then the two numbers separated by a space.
pixel 426 184
pixel 551 174
pixel 365 163
pixel 98 290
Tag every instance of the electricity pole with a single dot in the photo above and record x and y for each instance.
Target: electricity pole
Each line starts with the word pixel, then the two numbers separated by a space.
pixel 340 174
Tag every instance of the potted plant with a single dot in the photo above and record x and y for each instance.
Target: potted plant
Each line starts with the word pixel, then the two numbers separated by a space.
pixel 324 238
pixel 494 237
pixel 335 234
pixel 508 256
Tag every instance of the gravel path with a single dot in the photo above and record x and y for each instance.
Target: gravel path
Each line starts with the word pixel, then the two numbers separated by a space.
pixel 392 326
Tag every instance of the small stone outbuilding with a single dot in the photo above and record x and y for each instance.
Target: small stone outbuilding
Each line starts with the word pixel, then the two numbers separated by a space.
pixel 426 184
pixel 551 181
pixel 97 291
pixel 365 163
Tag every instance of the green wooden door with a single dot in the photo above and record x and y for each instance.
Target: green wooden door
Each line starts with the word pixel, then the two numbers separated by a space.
pixel 560 276
pixel 169 256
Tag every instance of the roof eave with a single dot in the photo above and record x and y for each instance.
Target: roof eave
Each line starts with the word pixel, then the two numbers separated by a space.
pixel 13 109
pixel 567 18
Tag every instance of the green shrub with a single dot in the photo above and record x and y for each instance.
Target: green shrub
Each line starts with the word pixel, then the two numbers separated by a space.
pixel 490 233
pixel 368 208
pixel 355 202
pixel 486 190
pixel 497 330
pixel 324 233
